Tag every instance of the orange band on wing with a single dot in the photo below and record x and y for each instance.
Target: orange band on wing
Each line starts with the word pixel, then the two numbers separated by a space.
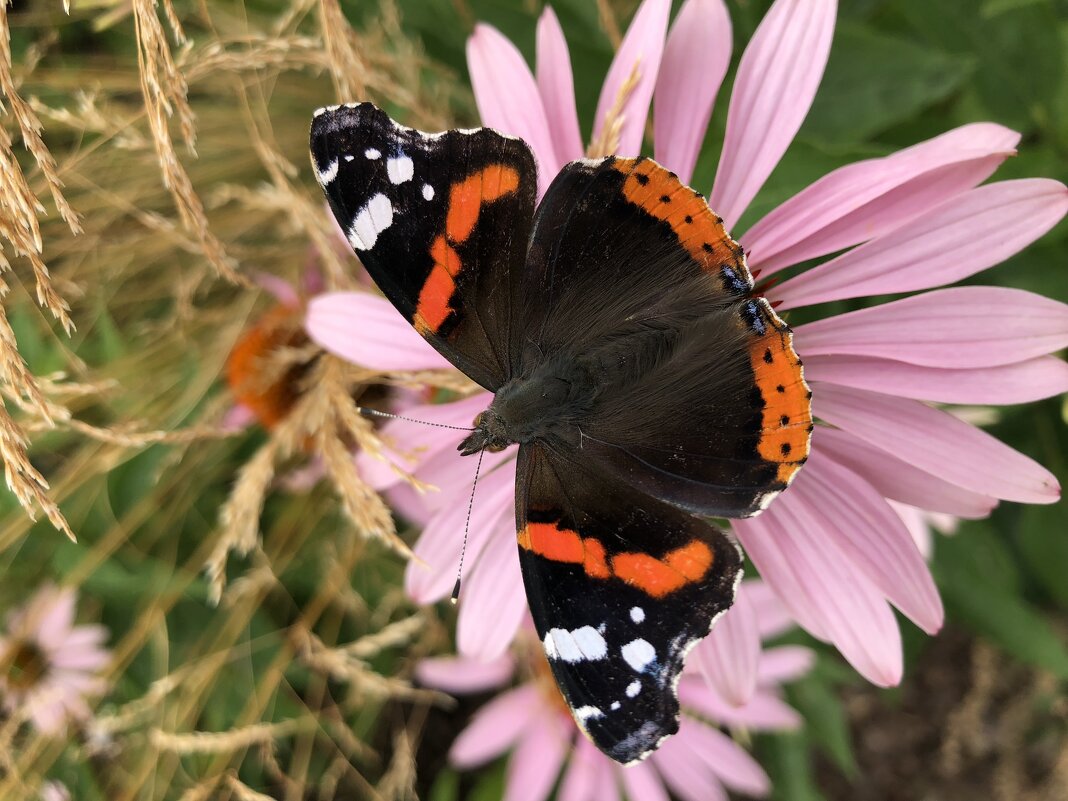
pixel 466 199
pixel 787 417
pixel 661 194
pixel 656 577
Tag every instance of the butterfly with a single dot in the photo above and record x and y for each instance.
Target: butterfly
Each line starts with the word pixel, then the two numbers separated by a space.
pixel 647 384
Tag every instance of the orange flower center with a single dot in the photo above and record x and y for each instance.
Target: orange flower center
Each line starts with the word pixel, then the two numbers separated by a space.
pixel 252 370
pixel 23 665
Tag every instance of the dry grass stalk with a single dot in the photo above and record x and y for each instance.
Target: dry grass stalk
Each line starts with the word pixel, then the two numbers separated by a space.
pixel 395 634
pixel 607 17
pixel 347 68
pixel 398 783
pixel 165 93
pixel 242 792
pixel 203 742
pixel 607 142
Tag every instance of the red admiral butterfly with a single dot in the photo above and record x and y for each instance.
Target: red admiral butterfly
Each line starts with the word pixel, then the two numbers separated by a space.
pixel 645 384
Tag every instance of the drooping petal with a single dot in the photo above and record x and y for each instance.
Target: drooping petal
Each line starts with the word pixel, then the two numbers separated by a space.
pixel 508 98
pixel 915 522
pixel 495 727
pixel 728 656
pixel 640 50
pixel 847 510
pixel 452 473
pixel 722 757
pixel 642 781
pixel 461 676
pixel 557 88
pixel 283 291
pixel 764 712
pixel 1022 382
pixel 961 327
pixel 536 762
pixel 771 616
pixel 898 479
pixel 965 235
pixel 365 329
pixel 822 587
pixel 696 58
pixel 685 776
pixel 583 773
pixel 430 575
pixel 777 80
pixel 937 442
pixel 784 663
pixel 237 417
pixel 863 200
pixel 492 600
pixel 55 621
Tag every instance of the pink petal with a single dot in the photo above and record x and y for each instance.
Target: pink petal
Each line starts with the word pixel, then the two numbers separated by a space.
pixel 460 676
pixel 508 98
pixel 916 523
pixel 1022 382
pixel 972 326
pixel 492 600
pixel 282 290
pixel 937 442
pixel 728 656
pixel 237 417
pixel 54 625
pixel 452 473
pixel 496 726
pixel 847 510
pixel 536 762
pixel 822 587
pixel 409 504
pixel 863 200
pixel 685 775
pixel 696 58
pixel 641 48
pixel 722 757
pixel 557 88
pixel 966 234
pixel 764 712
pixel 583 772
pixel 365 329
pixel 777 79
pixel 784 664
pixel 771 616
pixel 642 783
pixel 79 658
pixel 431 574
pixel 900 480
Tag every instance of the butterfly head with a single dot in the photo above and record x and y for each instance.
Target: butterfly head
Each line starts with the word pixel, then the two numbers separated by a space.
pixel 490 434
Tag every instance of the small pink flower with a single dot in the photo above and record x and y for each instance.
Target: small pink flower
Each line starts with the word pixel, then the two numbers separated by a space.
pixel 831 547
pixel 48 665
pixel 532 721
pixel 54 791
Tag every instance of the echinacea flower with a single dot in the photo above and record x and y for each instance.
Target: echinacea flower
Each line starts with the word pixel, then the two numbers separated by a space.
pixel 531 720
pixel 49 665
pixel 831 547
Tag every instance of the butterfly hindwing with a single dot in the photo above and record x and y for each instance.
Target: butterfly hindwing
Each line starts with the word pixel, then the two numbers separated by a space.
pixel 621 586
pixel 440 221
pixel 704 403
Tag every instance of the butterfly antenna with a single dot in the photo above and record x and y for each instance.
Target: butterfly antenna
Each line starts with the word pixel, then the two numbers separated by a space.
pixel 376 413
pixel 467 528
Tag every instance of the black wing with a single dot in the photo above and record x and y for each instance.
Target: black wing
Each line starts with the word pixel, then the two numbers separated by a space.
pixel 702 402
pixel 621 586
pixel 441 221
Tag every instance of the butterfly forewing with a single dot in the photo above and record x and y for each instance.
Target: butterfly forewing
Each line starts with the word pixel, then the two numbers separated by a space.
pixel 440 221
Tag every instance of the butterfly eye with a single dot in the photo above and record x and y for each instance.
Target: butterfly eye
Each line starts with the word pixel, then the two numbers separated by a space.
pixel 494 448
pixel 478 419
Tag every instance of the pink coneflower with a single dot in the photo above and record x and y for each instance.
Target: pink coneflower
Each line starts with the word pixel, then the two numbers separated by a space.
pixel 48 665
pixel 831 547
pixel 532 721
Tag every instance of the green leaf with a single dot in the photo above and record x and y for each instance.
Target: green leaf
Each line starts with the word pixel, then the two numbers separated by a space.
pixel 991 605
pixel 874 81
pixel 825 721
pixel 787 759
pixel 446 786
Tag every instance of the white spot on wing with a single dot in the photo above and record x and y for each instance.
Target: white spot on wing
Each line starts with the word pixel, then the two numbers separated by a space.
pixel 580 645
pixel 370 221
pixel 633 688
pixel 329 174
pixel 638 654
pixel 615 706
pixel 349 158
pixel 584 713
pixel 372 153
pixel 637 614
pixel 400 169
pixel 428 192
